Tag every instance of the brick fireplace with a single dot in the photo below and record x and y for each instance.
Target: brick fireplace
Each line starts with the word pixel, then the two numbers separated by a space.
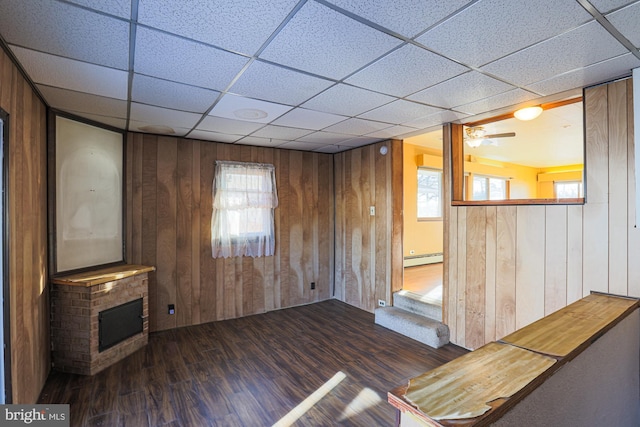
pixel 77 302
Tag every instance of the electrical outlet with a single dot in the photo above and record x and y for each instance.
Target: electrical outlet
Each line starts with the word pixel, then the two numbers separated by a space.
pixel 382 303
pixel 172 309
pixel 313 285
pixel 372 210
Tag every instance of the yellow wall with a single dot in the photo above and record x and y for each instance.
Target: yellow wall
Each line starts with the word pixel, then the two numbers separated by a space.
pixel 423 237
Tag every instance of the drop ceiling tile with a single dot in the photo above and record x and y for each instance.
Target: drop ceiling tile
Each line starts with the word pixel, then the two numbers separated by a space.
pixel 627 21
pixel 357 126
pixel 184 61
pixel 463 89
pixel 168 94
pixel 490 29
pixel 330 149
pixel 303 146
pixel 606 6
pixel 308 119
pixel 281 132
pixel 495 102
pixel 240 26
pixel 324 42
pixel 581 47
pixel 436 119
pixel 347 100
pixel 406 17
pixel 121 8
pixel 79 76
pixel 597 73
pixel 261 142
pixel 105 120
pixel 325 137
pixel 251 110
pixel 277 84
pixel 391 132
pixel 138 126
pixel 157 116
pixel 405 71
pixel 228 126
pixel 361 141
pixel 400 111
pixel 213 136
pixel 66 30
pixel 67 100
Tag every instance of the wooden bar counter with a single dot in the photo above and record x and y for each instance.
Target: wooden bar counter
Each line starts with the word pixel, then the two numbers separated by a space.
pixel 583 358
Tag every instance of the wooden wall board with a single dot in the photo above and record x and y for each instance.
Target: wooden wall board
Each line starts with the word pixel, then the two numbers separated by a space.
pixel 633 274
pixel 475 281
pixel 555 263
pixel 491 242
pixel 574 253
pixel 461 265
pixel 530 251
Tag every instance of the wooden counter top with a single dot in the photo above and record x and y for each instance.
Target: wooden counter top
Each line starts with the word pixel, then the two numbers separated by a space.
pixel 104 275
pixel 479 387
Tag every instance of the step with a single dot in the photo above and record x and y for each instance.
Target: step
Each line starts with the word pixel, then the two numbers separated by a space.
pixel 418 304
pixel 423 329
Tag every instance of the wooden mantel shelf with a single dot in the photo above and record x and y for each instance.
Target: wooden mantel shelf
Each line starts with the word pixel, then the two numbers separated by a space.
pixel 104 275
pixel 480 387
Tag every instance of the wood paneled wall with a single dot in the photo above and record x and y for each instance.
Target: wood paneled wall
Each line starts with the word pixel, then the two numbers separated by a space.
pixel 169 191
pixel 27 246
pixel 368 248
pixel 507 266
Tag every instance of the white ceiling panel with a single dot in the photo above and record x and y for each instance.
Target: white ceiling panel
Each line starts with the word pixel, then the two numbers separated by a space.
pixel 308 119
pixel 581 47
pixel 330 149
pixel 303 146
pixel 252 110
pixel 79 76
pixel 406 17
pixel 357 126
pixel 120 8
pixel 66 30
pixel 213 136
pixel 513 97
pixel 627 21
pixel 405 71
pixel 281 132
pixel 400 111
pixel 147 127
pixel 185 61
pixel 463 89
pixel 347 100
pixel 278 84
pixel 606 6
pixel 261 142
pixel 324 42
pixel 239 26
pixel 436 119
pixel 597 73
pixel 110 121
pixel 168 94
pixel 360 141
pixel 325 137
pixel 228 126
pixel 67 100
pixel 391 132
pixel 490 29
pixel 157 116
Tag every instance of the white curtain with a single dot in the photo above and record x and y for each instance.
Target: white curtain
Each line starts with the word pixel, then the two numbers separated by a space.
pixel 244 197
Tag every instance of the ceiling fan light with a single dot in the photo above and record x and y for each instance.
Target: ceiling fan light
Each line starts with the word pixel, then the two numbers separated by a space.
pixel 474 142
pixel 528 113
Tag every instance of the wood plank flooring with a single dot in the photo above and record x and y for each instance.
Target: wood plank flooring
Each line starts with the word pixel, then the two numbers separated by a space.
pixel 424 280
pixel 252 372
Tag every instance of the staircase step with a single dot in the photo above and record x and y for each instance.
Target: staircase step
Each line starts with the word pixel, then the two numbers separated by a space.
pixel 427 331
pixel 418 304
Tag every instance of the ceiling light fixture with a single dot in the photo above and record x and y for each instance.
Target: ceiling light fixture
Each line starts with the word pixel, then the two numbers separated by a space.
pixel 474 143
pixel 528 113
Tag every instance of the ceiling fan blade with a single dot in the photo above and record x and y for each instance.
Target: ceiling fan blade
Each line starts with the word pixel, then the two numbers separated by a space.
pixel 501 135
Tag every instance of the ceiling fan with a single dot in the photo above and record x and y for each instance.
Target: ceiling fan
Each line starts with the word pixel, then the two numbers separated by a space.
pixel 476 136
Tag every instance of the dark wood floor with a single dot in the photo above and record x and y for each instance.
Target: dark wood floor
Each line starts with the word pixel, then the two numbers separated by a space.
pixel 252 372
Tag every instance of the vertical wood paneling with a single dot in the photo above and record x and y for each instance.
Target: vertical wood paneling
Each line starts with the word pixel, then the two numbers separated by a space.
pixel 475 276
pixel 491 242
pixel 27 244
pixel 547 257
pixel 529 264
pixel 555 267
pixel 174 225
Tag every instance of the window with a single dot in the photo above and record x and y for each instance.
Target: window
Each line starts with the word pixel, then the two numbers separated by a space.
pixel 489 188
pixel 429 194
pixel 568 189
pixel 244 197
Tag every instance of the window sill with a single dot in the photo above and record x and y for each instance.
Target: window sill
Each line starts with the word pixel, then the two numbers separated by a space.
pixel 517 202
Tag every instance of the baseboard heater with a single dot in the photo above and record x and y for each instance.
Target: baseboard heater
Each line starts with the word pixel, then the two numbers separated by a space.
pixel 413 260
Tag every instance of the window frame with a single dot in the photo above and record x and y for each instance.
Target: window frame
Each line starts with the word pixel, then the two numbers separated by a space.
pixel 440 195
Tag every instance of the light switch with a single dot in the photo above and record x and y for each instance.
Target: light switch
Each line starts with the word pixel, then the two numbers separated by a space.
pixel 372 210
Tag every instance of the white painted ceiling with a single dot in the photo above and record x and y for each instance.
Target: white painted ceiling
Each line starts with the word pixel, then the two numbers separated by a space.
pixel 329 74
